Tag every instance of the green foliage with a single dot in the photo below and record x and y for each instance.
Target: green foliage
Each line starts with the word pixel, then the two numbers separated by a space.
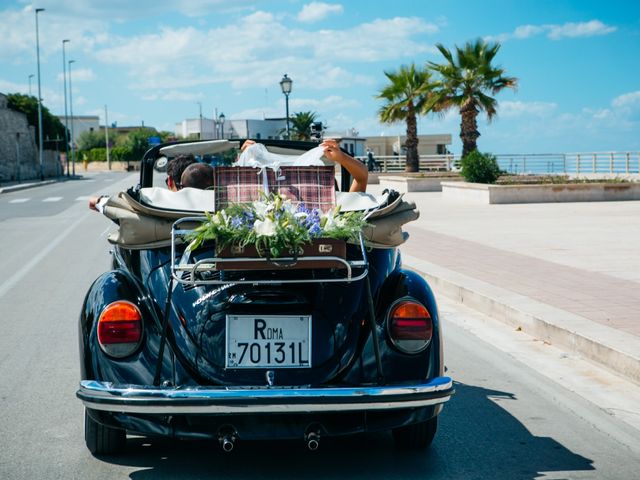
pixel 138 141
pixel 52 128
pixel 120 154
pixel 479 167
pixel 91 139
pixel 406 96
pixel 467 81
pixel 275 226
pixel 300 125
pixel 95 154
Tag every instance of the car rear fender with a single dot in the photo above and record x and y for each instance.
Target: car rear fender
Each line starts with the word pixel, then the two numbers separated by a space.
pixel 107 288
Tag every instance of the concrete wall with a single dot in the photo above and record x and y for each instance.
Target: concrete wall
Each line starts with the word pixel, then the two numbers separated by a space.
pixel 388 145
pixel 18 151
pixel 572 192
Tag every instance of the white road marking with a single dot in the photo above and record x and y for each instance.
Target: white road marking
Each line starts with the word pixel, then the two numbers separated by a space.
pixel 83 199
pixel 53 243
pixel 19 200
pixel 52 199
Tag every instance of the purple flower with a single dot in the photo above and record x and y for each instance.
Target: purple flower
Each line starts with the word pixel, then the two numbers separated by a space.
pixel 237 222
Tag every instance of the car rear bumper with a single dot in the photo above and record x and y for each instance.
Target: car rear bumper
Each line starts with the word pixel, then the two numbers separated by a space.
pixel 136 399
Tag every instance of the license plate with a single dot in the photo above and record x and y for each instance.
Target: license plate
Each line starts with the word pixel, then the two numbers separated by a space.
pixel 266 341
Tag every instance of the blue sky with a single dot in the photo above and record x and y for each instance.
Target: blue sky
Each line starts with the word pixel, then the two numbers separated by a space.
pixel 152 61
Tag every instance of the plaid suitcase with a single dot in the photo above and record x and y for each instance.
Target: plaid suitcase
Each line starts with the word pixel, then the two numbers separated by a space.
pixel 313 186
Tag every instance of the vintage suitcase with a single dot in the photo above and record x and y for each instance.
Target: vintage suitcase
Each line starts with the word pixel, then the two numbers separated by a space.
pixel 313 186
pixel 320 247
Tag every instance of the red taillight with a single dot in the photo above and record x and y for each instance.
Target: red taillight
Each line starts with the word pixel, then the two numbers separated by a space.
pixel 410 326
pixel 120 329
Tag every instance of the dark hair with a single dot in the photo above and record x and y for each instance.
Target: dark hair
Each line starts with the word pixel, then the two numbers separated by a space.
pixel 177 165
pixel 197 175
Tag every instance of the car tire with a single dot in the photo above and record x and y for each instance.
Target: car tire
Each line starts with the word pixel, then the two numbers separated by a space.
pixel 100 439
pixel 417 436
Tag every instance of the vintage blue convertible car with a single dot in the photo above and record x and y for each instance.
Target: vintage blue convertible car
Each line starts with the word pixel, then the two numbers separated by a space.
pixel 178 344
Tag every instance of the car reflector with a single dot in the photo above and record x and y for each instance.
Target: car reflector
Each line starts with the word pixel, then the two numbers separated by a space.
pixel 409 326
pixel 120 329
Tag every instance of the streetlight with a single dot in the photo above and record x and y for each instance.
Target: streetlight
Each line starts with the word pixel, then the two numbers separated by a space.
pixel 30 77
pixel 40 146
pixel 73 143
pixel 220 122
pixel 200 133
pixel 66 116
pixel 285 85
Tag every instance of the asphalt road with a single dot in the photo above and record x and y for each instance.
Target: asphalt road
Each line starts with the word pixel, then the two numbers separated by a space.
pixel 506 420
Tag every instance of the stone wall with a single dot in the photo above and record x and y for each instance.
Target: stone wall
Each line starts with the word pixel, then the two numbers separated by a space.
pixel 18 151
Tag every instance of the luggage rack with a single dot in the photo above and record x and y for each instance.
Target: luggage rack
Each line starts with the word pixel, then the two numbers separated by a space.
pixel 187 272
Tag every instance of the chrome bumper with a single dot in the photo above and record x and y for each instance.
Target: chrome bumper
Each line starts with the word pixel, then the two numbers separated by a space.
pixel 222 400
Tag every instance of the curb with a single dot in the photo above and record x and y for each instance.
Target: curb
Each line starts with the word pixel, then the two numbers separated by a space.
pixel 24 186
pixel 617 351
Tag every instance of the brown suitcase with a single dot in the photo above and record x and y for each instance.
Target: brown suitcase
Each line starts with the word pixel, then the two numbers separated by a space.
pixel 320 247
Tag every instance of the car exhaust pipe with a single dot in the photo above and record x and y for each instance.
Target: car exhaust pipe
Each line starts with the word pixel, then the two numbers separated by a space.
pixel 312 440
pixel 227 438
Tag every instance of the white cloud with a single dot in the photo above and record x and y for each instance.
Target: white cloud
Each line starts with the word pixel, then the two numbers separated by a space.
pixel 174 95
pixel 79 75
pixel 120 10
pixel 585 29
pixel 627 100
pixel 316 11
pixel 17 30
pixel 255 51
pixel 557 32
pixel 510 109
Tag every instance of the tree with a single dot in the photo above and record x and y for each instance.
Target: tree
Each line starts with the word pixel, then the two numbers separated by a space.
pixel 52 128
pixel 300 125
pixel 138 141
pixel 91 139
pixel 464 81
pixel 406 96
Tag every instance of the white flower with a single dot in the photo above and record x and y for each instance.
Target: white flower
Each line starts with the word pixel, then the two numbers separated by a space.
pixel 265 228
pixel 261 208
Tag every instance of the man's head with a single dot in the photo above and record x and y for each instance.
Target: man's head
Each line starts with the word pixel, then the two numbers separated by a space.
pixel 197 175
pixel 175 167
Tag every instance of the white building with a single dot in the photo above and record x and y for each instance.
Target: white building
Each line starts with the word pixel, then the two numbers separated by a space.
pixel 208 129
pixel 78 124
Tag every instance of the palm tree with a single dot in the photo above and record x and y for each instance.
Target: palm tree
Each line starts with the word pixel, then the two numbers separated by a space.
pixel 405 98
pixel 464 81
pixel 301 125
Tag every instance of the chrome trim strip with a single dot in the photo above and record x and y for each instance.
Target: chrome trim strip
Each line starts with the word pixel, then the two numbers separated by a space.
pixel 174 401
pixel 209 264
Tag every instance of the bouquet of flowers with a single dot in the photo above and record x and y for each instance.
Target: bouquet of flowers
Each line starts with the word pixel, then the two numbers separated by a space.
pixel 275 226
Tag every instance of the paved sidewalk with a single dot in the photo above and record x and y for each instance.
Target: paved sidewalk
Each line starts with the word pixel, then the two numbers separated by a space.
pixel 16 186
pixel 568 274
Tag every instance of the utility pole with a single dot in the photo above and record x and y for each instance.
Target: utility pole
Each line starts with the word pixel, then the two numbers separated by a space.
pixel 40 136
pixel 73 143
pixel 66 116
pixel 106 135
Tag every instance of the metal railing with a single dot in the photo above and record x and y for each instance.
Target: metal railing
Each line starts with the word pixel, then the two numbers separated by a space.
pixel 572 163
pixel 394 163
pixel 533 163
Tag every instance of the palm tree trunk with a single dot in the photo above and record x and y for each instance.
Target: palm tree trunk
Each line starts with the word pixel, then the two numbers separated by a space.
pixel 413 159
pixel 469 127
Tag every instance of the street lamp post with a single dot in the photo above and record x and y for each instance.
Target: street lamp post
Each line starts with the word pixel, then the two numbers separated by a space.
pixel 40 146
pixel 285 85
pixel 106 136
pixel 200 129
pixel 66 116
pixel 73 143
pixel 221 119
pixel 30 77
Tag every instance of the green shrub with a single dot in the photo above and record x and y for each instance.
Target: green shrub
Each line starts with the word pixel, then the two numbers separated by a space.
pixel 121 154
pixel 479 167
pixel 95 155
